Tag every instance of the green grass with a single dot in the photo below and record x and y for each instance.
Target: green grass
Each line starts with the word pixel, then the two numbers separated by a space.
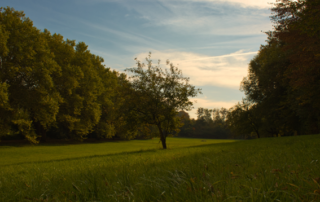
pixel 31 154
pixel 272 169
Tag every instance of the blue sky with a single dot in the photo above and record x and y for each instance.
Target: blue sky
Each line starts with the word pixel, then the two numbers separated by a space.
pixel 211 41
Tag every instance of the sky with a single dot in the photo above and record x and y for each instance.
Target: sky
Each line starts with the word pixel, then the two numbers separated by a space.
pixel 211 41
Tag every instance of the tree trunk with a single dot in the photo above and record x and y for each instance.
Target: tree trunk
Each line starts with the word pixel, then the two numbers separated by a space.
pixel 41 131
pixel 257 132
pixel 44 136
pixel 163 141
pixel 162 137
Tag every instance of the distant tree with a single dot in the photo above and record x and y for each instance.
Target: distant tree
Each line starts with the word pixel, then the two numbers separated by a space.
pixel 183 115
pixel 220 114
pixel 159 94
pixel 210 123
pixel 205 114
pixel 187 129
pixel 244 119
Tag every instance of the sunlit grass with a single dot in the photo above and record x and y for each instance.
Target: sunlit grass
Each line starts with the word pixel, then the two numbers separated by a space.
pixel 275 169
pixel 27 154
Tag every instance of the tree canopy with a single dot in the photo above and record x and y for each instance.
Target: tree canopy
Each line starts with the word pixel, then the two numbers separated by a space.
pixel 283 79
pixel 159 94
pixel 52 87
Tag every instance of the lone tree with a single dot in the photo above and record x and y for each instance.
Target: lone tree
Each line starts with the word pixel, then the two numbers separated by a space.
pixel 159 94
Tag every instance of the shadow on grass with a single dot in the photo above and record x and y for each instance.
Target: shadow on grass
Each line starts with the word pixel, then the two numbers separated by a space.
pixel 84 157
pixel 120 153
pixel 25 143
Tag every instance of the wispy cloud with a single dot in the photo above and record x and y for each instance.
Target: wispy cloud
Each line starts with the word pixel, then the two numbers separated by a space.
pixel 124 35
pixel 123 38
pixel 243 3
pixel 224 70
pixel 207 15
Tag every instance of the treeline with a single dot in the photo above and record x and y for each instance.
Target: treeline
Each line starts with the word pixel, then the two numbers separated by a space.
pixel 282 87
pixel 55 88
pixel 283 84
pixel 210 123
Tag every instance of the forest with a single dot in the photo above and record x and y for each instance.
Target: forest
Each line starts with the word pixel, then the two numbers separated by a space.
pixel 55 88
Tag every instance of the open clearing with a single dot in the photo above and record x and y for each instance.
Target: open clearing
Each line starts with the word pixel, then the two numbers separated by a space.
pixel 270 169
pixel 31 154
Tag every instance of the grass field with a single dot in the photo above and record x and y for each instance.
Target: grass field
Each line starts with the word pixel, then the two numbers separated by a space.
pixel 271 169
pixel 44 153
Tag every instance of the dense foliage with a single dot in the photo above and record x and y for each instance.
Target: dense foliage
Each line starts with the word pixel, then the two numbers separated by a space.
pixel 282 86
pixel 51 87
pixel 210 123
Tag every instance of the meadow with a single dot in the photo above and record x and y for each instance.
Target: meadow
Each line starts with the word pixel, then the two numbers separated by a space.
pixel 269 169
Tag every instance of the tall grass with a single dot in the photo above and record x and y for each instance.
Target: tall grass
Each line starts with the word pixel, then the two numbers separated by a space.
pixel 275 169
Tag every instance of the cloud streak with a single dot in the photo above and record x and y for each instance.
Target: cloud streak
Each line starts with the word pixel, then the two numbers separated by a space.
pixel 228 15
pixel 224 70
pixel 243 3
pixel 239 53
